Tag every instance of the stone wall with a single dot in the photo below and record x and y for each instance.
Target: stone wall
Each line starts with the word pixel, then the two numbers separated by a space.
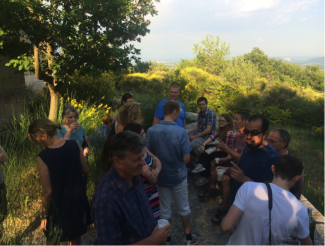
pixel 13 93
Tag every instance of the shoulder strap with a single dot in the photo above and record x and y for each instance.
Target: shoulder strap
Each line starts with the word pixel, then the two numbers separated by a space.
pixel 269 190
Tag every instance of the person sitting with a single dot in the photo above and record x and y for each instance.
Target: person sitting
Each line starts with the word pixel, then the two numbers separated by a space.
pixel 233 154
pixel 121 209
pixel 98 137
pixel 206 125
pixel 128 113
pixel 150 171
pixel 256 160
pixel 3 192
pixel 224 132
pixel 255 225
pixel 65 208
pixel 280 139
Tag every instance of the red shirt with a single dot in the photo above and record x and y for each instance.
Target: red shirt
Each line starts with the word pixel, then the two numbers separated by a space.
pixel 240 142
pixel 230 139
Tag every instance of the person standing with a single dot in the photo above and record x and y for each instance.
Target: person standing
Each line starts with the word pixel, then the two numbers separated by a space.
pixel 280 139
pixel 121 209
pixel 250 212
pixel 173 93
pixel 171 145
pixel 65 208
pixel 3 192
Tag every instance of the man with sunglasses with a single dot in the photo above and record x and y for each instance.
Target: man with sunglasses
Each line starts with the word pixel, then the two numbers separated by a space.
pixel 280 139
pixel 257 158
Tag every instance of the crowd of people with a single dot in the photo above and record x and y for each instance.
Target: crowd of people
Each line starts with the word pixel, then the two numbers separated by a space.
pixel 144 172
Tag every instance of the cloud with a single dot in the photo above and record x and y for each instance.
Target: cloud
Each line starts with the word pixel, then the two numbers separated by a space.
pixel 259 40
pixel 303 19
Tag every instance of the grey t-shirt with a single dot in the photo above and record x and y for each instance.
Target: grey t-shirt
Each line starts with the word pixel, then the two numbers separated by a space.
pixel 2 176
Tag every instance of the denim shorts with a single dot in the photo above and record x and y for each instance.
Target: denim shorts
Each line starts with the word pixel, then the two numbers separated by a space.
pixel 180 193
pixel 3 203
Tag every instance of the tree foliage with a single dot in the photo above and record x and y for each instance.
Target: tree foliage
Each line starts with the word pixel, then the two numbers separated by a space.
pixel 211 55
pixel 57 38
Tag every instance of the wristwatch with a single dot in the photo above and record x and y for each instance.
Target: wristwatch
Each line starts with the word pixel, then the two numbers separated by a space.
pixel 43 216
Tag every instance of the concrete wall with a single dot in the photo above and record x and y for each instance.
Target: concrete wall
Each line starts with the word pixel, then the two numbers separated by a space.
pixel 13 93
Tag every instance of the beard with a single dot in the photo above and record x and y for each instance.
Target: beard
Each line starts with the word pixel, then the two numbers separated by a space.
pixel 255 145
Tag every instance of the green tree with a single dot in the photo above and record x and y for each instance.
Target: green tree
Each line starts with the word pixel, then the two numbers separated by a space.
pixel 57 38
pixel 212 54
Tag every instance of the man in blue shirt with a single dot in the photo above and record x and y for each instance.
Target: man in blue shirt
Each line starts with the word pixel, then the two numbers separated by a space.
pixel 173 93
pixel 256 160
pixel 171 145
pixel 121 209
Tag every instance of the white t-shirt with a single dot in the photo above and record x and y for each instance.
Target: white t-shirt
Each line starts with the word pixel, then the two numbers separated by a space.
pixel 253 227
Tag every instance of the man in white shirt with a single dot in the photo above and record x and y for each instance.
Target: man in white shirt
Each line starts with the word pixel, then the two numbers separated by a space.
pixel 250 214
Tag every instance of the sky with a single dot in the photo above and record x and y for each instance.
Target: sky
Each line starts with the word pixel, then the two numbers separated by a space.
pixel 281 28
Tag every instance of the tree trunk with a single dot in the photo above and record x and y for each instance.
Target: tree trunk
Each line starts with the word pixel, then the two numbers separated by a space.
pixel 54 102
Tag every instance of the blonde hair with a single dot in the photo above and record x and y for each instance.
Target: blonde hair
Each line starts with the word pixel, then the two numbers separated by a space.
pixel 42 126
pixel 222 131
pixel 129 113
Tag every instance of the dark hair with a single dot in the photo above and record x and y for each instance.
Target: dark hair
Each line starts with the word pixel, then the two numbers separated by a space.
pixel 125 97
pixel 42 126
pixel 117 145
pixel 107 119
pixel 200 99
pixel 284 136
pixel 175 85
pixel 170 106
pixel 287 167
pixel 243 115
pixel 265 121
pixel 133 127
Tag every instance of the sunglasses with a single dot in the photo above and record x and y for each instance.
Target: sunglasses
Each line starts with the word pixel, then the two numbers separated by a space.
pixel 252 133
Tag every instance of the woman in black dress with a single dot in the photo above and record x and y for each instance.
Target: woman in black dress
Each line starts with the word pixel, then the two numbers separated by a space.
pixel 65 208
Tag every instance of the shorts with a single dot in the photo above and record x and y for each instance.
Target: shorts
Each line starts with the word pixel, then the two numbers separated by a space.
pixel 180 193
pixel 3 203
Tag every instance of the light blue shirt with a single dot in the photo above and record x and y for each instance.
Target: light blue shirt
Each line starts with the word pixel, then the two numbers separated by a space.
pixel 159 113
pixel 78 135
pixel 169 143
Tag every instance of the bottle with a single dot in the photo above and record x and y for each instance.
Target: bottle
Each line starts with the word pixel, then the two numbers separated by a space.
pixel 312 224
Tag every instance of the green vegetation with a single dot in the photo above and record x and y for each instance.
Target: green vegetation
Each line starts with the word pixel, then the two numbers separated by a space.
pixel 290 96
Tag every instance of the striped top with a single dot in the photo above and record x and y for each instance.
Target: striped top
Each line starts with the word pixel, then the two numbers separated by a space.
pixel 152 192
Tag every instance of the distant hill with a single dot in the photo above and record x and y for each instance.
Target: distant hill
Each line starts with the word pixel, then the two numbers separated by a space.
pixel 318 60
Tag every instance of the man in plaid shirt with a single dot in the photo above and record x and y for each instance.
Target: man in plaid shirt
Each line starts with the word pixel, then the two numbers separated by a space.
pixel 206 124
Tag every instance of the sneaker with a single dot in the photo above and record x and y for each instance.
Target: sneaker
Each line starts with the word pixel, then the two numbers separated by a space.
pixel 209 192
pixel 194 240
pixel 201 181
pixel 198 168
pixel 221 213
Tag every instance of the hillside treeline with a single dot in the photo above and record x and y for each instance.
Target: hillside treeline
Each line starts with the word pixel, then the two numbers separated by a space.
pixel 284 92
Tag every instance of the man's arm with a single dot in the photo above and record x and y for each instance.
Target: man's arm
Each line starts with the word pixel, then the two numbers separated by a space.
pixel 186 158
pixel 233 153
pixel 306 241
pixel 237 174
pixel 205 132
pixel 158 236
pixel 229 221
pixel 193 129
pixel 156 120
pixel 3 156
